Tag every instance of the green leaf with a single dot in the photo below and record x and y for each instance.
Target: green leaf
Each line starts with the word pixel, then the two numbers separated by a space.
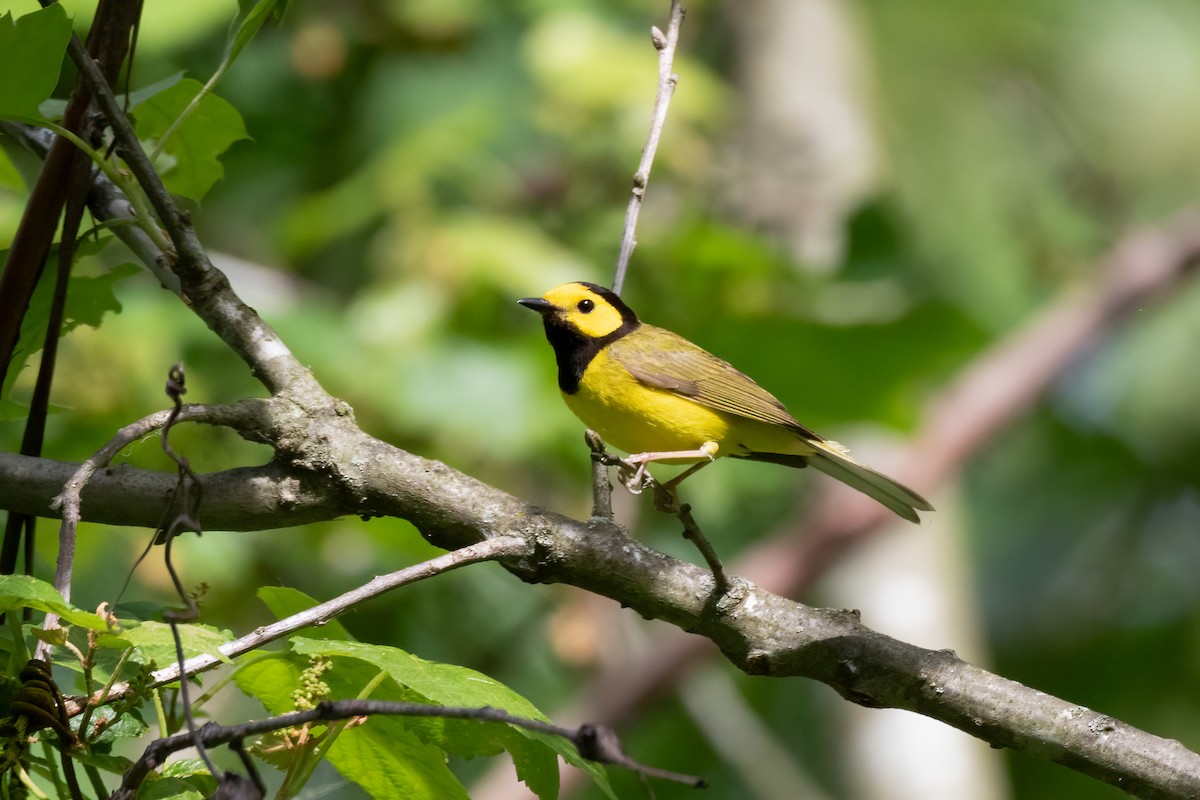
pixel 89 298
pixel 442 684
pixel 139 96
pixel 22 591
pixel 391 763
pixel 184 768
pixel 534 754
pixel 127 726
pixel 271 681
pixel 250 19
pixel 284 602
pixel 278 7
pixel 33 46
pixel 193 787
pixel 154 643
pixel 190 165
pixel 104 761
pixel 384 756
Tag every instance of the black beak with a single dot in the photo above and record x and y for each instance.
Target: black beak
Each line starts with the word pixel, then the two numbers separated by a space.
pixel 538 304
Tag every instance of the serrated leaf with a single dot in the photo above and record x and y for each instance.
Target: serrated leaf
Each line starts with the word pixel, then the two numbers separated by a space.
pixel 534 754
pixel 284 602
pixel 195 787
pixel 196 144
pixel 442 684
pixel 154 644
pixel 391 763
pixel 126 726
pixel 184 768
pixel 33 46
pixel 383 756
pixel 23 591
pixel 56 637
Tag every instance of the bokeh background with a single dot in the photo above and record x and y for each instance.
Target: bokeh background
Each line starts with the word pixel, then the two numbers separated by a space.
pixel 852 201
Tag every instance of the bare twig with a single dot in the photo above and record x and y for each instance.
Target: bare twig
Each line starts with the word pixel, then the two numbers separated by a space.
pixel 665 44
pixel 69 500
pixel 637 480
pixel 692 532
pixel 595 743
pixel 601 485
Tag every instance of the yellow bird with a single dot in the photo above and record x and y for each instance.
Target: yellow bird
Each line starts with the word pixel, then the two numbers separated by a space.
pixel 656 395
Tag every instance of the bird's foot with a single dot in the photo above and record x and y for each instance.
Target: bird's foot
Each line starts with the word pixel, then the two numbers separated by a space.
pixel 634 476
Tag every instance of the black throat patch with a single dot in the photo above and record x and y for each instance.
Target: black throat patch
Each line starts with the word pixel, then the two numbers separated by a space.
pixel 573 350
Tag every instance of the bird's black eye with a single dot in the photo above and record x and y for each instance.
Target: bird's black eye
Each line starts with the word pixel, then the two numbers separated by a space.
pixel 586 306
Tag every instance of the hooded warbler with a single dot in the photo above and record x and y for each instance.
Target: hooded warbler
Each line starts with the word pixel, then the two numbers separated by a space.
pixel 660 397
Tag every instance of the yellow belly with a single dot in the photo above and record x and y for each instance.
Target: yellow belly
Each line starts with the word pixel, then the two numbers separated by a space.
pixel 638 418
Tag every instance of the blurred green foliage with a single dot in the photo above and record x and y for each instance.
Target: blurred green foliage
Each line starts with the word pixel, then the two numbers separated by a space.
pixel 413 167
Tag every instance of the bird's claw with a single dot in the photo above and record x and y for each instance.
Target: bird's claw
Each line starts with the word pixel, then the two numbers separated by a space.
pixel 635 479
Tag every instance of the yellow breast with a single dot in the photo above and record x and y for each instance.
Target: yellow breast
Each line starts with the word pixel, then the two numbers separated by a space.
pixel 638 418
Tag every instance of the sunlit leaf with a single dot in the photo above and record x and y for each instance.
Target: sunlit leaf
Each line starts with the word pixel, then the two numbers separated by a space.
pixel 285 601
pixel 155 644
pixel 22 591
pixel 33 46
pixel 194 147
pixel 272 681
pixel 452 685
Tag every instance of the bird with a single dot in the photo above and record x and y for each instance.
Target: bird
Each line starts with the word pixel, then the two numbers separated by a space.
pixel 662 398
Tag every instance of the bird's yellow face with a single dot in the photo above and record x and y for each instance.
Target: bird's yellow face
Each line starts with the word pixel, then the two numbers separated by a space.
pixel 583 308
pixel 580 320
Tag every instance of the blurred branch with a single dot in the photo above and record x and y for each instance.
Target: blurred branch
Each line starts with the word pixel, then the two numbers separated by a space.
pixel 665 45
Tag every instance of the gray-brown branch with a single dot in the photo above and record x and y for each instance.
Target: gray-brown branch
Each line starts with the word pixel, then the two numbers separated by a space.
pixel 759 632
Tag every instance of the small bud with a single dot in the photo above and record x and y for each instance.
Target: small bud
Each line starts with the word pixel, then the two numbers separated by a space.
pixel 657 36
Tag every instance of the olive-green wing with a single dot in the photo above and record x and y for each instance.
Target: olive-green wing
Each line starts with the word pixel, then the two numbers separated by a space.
pixel 665 360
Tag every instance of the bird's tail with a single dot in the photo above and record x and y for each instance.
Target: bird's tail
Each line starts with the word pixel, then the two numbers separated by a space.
pixel 832 459
pixel 835 461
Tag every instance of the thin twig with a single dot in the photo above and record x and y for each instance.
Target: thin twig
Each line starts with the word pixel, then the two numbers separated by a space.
pixel 692 532
pixel 185 499
pixel 594 742
pixel 70 502
pixel 601 485
pixel 192 732
pixel 665 44
pixel 664 500
pixel 501 547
